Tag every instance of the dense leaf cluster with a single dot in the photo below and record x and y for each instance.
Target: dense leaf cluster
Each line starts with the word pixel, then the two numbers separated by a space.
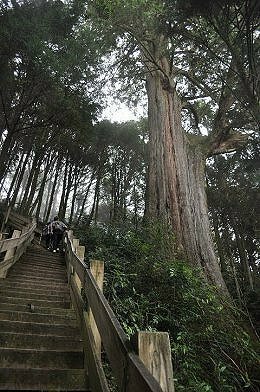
pixel 148 290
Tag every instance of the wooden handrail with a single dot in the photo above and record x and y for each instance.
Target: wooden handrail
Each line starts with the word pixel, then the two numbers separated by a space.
pixel 10 243
pixel 16 246
pixel 130 371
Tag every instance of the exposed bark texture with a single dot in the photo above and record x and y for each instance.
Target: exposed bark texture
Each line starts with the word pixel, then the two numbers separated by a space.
pixel 176 175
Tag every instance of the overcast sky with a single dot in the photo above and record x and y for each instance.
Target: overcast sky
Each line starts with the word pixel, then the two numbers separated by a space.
pixel 121 113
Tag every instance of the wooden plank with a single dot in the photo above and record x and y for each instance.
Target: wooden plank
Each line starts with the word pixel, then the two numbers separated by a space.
pixel 6 216
pixel 97 379
pixel 127 367
pixel 97 270
pixel 15 237
pixel 130 371
pixel 9 256
pixel 23 246
pixel 72 259
pixel 154 351
pixel 80 252
pixel 10 243
pixel 15 248
pixel 75 244
pixel 19 217
pixel 79 266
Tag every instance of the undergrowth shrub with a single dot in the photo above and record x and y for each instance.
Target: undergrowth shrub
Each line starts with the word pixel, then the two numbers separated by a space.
pixel 149 288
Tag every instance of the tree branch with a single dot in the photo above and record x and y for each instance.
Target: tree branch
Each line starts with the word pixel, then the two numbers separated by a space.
pixel 230 143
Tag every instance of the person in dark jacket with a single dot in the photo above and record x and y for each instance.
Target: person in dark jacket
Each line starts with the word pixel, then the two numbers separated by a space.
pixel 58 228
pixel 47 234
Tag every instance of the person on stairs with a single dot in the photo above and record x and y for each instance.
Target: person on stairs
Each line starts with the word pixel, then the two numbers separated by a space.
pixel 58 228
pixel 47 234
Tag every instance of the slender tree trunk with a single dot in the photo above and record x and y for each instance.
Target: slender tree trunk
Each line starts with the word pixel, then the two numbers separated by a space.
pixel 75 187
pixel 8 165
pixel 32 169
pixel 135 206
pixel 67 193
pixel 5 153
pixel 86 196
pixel 42 187
pixel 35 178
pixel 95 201
pixel 49 188
pixel 247 275
pixel 218 240
pixel 23 187
pixel 20 179
pixel 65 178
pixel 95 217
pixel 16 176
pixel 55 181
pixel 176 181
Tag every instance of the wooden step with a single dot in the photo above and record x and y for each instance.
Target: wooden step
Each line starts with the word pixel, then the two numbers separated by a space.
pixel 29 279
pixel 42 262
pixel 52 359
pixel 39 267
pixel 38 274
pixel 63 312
pixel 36 288
pixel 23 293
pixel 38 328
pixel 35 283
pixel 36 317
pixel 43 379
pixel 35 302
pixel 51 257
pixel 42 342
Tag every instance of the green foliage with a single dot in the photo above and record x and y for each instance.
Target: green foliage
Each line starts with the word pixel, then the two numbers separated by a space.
pixel 233 204
pixel 148 289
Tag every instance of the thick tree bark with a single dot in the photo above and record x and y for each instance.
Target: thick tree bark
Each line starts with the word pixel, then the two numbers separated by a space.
pixel 176 182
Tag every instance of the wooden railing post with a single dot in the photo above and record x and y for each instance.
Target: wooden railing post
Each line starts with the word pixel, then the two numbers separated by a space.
pixel 80 252
pixel 9 254
pixel 154 351
pixel 70 237
pixel 75 243
pixel 97 270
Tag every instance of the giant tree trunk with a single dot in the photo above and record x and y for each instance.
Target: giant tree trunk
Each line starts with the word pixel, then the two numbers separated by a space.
pixel 176 184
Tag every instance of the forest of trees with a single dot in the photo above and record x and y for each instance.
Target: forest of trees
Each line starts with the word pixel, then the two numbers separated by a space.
pixel 161 198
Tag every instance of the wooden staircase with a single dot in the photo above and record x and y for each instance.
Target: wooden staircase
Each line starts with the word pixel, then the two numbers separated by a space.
pixel 40 344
